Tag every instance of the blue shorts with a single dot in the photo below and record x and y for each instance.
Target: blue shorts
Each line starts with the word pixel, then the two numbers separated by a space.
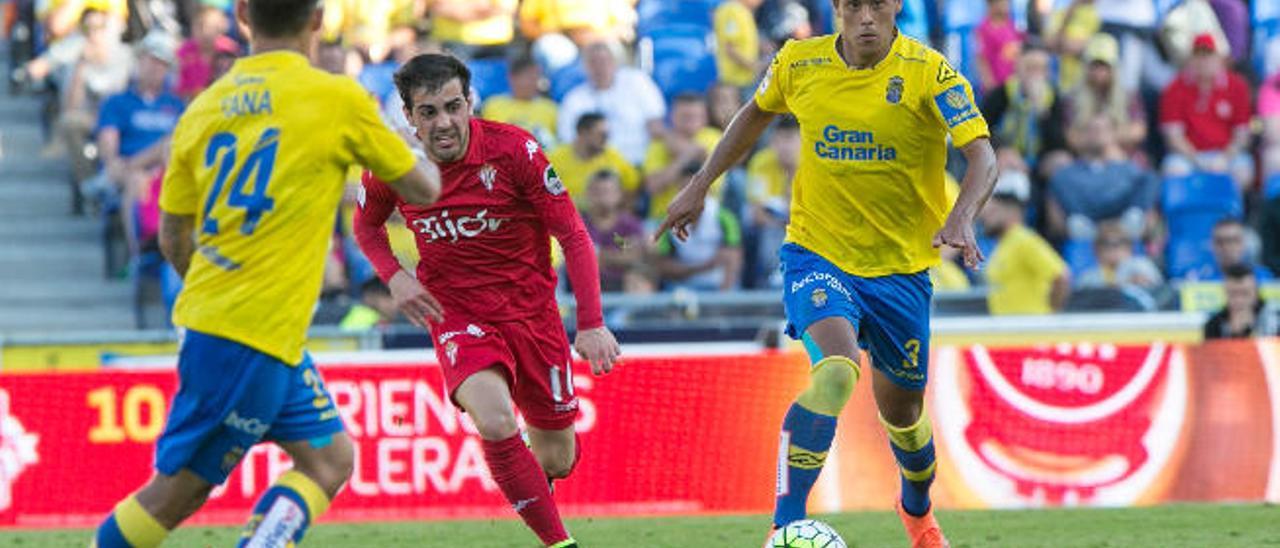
pixel 890 313
pixel 230 397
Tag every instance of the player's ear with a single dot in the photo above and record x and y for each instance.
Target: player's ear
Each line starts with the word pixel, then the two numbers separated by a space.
pixel 242 17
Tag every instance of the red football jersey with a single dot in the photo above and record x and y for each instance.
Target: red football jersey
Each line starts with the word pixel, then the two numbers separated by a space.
pixel 485 245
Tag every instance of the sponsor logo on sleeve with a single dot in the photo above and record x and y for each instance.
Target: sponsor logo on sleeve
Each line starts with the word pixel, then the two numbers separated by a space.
pixel 552 181
pixel 955 106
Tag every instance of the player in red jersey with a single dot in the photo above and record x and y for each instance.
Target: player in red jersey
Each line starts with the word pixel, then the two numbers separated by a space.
pixel 485 287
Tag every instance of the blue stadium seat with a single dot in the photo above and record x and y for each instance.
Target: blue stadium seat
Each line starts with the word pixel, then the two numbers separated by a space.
pixel 566 79
pixel 960 22
pixel 680 59
pixel 1191 206
pixel 1271 187
pixel 1079 255
pixel 653 15
pixel 489 77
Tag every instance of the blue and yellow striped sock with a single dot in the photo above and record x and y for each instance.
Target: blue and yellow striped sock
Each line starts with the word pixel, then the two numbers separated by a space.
pixel 807 431
pixel 913 448
pixel 129 526
pixel 285 511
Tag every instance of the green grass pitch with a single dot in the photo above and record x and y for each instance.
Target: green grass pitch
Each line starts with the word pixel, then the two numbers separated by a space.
pixel 1171 526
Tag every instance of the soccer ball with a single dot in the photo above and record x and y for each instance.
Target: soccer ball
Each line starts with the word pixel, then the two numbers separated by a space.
pixel 806 533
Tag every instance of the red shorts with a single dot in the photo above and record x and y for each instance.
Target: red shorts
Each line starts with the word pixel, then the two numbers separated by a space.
pixel 533 353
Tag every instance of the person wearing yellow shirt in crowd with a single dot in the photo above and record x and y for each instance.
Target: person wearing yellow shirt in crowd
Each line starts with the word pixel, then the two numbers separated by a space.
pixel 769 175
pixel 472 23
pixel 1026 276
pixel 590 153
pixel 61 17
pixel 1067 35
pixel 524 107
pixel 737 42
pixel 688 142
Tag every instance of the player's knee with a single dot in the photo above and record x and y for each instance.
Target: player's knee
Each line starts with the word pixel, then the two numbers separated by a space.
pixel 903 413
pixel 831 385
pixel 495 424
pixel 171 500
pixel 558 462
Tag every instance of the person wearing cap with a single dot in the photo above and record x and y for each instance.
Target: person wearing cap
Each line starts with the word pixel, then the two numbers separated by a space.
pixel 1068 35
pixel 1025 275
pixel 134 125
pixel 1100 92
pixel 196 55
pixel 1204 116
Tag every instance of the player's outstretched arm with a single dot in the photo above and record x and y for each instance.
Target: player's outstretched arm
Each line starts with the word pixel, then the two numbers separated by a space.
pixel 421 185
pixel 177 240
pixel 743 132
pixel 975 189
pixel 370 227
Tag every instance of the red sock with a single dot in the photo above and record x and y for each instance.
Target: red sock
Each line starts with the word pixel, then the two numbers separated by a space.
pixel 520 477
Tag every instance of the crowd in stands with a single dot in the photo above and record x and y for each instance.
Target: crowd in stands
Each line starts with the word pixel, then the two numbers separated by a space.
pixel 1138 141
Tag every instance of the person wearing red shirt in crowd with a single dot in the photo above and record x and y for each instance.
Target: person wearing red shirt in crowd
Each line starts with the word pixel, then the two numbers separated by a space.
pixel 1204 114
pixel 485 287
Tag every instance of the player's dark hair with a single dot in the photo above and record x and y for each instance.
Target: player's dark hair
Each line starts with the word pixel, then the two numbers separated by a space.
pixel 280 18
pixel 588 121
pixel 787 122
pixel 1238 271
pixel 430 72
pixel 521 64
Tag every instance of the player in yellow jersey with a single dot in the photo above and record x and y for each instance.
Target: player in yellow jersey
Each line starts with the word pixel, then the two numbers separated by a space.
pixel 868 213
pixel 255 175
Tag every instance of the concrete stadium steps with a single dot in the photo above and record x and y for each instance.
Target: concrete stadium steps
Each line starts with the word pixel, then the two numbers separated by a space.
pixel 51 262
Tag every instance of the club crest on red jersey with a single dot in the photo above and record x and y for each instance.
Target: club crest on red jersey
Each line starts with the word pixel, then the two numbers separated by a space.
pixel 487 175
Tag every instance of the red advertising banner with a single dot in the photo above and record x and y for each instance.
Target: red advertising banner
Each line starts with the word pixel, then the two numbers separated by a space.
pixel 1049 425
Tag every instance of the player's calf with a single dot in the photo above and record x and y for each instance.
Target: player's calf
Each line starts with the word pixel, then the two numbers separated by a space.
pixel 289 507
pixel 145 518
pixel 558 451
pixel 807 431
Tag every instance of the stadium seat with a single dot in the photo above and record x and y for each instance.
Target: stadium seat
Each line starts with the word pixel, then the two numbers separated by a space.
pixel 1265 21
pixel 489 77
pixel 680 59
pixel 566 79
pixel 1191 206
pixel 960 21
pixel 1271 187
pixel 654 15
pixel 1079 255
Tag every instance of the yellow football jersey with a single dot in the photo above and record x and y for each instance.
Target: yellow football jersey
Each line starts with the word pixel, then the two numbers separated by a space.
pixel 260 159
pixel 868 194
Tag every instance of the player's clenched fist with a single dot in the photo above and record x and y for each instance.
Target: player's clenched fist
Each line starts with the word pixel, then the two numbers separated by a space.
pixel 599 348
pixel 414 301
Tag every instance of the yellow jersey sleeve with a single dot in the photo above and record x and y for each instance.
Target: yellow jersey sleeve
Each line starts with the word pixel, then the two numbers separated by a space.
pixel 771 94
pixel 368 139
pixel 952 103
pixel 179 191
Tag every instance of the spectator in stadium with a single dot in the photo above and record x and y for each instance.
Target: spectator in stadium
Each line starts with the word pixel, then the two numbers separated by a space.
pixel 1134 24
pixel 1100 184
pixel 1230 244
pixel 618 234
pixel 1068 34
pixel 710 259
pixel 737 42
pixel 559 28
pixel 1025 114
pixel 627 97
pixel 999 43
pixel 376 307
pixel 60 16
pixel 683 147
pixel 1100 93
pixel 195 55
pixel 1269 113
pixel 134 126
pixel 769 176
pixel 102 69
pixel 473 28
pixel 1246 314
pixel 1024 274
pixel 1117 265
pixel 525 106
pixel 331 57
pixel 588 153
pixel 1205 115
pixel 724 101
